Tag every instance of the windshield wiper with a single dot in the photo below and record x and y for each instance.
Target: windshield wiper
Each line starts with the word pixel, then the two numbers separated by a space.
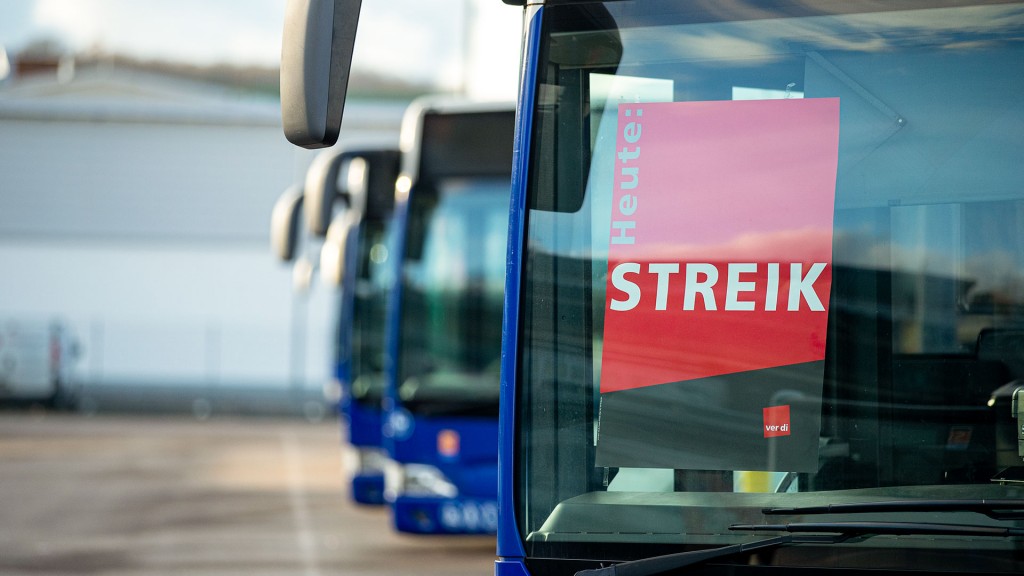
pixel 659 564
pixel 867 529
pixel 995 509
pixel 798 533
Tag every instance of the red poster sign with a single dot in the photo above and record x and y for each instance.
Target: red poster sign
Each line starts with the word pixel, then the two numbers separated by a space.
pixel 720 254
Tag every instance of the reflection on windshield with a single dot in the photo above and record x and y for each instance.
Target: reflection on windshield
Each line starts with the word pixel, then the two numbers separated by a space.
pixel 923 327
pixel 452 297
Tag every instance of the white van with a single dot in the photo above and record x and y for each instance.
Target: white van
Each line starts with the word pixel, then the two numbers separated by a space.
pixel 35 361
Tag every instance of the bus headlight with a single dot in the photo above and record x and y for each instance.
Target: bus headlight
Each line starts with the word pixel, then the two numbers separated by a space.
pixel 416 480
pixel 364 461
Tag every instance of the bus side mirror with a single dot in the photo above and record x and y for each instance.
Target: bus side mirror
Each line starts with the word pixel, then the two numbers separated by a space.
pixel 383 166
pixel 333 252
pixel 316 58
pixel 322 189
pixel 364 178
pixel 284 224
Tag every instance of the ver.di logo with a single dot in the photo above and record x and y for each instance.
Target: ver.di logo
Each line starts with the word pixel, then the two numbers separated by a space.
pixel 776 421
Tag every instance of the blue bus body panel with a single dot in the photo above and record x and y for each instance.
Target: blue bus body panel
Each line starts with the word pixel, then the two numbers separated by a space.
pixel 368 489
pixel 509 547
pixel 468 464
pixel 364 432
pixel 475 443
pixel 364 425
pixel 460 515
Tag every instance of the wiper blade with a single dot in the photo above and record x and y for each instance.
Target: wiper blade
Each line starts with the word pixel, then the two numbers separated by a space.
pixel 659 564
pixel 868 529
pixel 995 509
pixel 797 533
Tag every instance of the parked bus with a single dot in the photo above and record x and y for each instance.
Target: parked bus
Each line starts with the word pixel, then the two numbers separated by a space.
pixel 347 199
pixel 444 333
pixel 764 308
pixel 354 258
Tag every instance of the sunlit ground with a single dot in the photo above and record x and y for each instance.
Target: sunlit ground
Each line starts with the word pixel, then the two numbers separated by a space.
pixel 171 495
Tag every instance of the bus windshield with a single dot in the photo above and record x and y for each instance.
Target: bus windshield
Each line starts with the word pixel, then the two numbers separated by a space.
pixel 452 294
pixel 773 258
pixel 368 313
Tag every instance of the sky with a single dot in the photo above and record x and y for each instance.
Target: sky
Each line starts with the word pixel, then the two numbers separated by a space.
pixel 422 40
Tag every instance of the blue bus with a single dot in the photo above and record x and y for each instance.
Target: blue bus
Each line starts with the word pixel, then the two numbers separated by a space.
pixel 444 333
pixel 347 199
pixel 354 257
pixel 763 306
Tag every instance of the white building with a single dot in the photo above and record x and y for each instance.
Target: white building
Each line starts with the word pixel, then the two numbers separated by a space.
pixel 137 208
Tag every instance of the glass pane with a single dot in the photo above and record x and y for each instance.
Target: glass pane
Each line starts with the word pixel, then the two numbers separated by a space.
pixel 813 228
pixel 368 314
pixel 452 297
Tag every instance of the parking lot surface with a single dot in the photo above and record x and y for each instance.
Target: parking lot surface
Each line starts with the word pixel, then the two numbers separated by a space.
pixel 131 495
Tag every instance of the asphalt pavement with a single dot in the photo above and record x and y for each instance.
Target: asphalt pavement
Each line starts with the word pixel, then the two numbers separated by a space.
pixel 125 495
